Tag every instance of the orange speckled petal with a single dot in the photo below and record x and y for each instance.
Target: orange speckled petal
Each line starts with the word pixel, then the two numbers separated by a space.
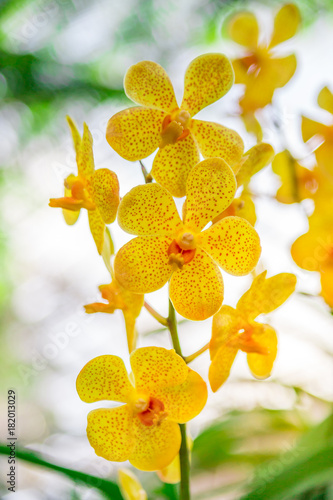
pixel 233 244
pixel 226 324
pixel 185 401
pixel 106 194
pixel 311 128
pixel 135 133
pixel 104 378
pixel 155 446
pixel 149 210
pixel 142 265
pixel 257 158
pixel 311 250
pixel 156 367
pixel 85 163
pixel 173 163
pixel 217 141
pixel 243 29
pixel 197 290
pixel 211 186
pixel 97 228
pixel 207 79
pixel 286 24
pixel 75 135
pixel 261 364
pixel 130 486
pixel 148 84
pixel 110 433
pixel 325 99
pixel 220 367
pixel 266 294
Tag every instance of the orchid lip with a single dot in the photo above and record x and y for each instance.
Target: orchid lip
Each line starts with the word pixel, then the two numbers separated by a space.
pixel 153 414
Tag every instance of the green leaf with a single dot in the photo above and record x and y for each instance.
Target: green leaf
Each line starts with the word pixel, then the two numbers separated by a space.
pixel 224 440
pixel 314 471
pixel 308 465
pixel 108 488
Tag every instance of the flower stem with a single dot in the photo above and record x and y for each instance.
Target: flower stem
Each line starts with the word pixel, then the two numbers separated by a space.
pixel 191 357
pixel 148 177
pixel 184 466
pixel 161 319
pixel 172 325
pixel 184 493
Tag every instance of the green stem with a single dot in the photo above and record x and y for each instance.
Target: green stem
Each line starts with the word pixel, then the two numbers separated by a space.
pixel 183 452
pixel 184 466
pixel 148 177
pixel 172 325
pixel 161 319
pixel 191 357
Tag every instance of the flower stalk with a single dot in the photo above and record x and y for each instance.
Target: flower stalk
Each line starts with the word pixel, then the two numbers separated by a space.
pixel 183 452
pixel 147 176
pixel 161 319
pixel 172 325
pixel 193 356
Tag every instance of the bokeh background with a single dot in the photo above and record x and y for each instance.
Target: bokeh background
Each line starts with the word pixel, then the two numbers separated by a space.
pixel 69 57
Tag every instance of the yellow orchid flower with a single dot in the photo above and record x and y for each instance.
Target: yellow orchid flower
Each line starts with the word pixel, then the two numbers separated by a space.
pixel 252 162
pixel 159 122
pixel 313 251
pixel 167 247
pixel 297 182
pixel 119 298
pixel 252 124
pixel 145 430
pixel 130 486
pixel 259 69
pixel 242 206
pixel 235 329
pixel 95 190
pixel 311 128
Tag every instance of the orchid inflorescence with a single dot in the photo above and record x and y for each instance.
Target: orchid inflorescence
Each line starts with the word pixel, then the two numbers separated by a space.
pixel 203 162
